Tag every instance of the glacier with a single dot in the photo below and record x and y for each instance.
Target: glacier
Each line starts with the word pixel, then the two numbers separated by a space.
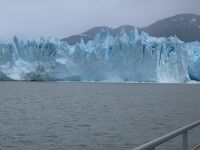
pixel 193 49
pixel 124 58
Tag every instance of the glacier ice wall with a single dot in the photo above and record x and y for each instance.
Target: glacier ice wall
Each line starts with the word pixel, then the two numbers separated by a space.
pixel 133 57
pixel 194 60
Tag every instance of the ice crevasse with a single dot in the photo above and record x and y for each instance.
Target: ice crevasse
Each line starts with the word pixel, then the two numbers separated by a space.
pixel 126 57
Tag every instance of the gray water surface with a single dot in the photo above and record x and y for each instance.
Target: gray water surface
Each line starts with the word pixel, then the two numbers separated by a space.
pixel 94 116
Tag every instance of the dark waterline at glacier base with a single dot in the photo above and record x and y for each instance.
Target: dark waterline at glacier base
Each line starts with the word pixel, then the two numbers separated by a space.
pixel 88 116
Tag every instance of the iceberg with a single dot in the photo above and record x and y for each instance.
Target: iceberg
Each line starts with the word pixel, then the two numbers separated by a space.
pixel 126 57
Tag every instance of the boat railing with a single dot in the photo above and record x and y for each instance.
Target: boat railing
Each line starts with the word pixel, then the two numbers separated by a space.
pixel 152 145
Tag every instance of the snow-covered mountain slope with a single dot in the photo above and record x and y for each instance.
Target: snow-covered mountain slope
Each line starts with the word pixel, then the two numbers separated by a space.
pixel 137 58
pixel 185 26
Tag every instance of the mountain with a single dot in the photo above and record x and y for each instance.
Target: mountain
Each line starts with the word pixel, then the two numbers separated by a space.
pixel 90 34
pixel 185 26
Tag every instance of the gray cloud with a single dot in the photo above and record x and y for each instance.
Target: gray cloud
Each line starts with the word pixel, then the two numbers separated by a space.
pixel 61 18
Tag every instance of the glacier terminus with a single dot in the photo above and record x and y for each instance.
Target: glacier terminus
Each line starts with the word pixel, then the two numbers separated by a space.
pixel 125 58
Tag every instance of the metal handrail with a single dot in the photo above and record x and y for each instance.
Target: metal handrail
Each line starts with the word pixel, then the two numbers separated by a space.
pixel 184 131
pixel 196 147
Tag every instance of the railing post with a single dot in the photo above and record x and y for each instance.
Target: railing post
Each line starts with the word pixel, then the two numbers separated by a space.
pixel 185 140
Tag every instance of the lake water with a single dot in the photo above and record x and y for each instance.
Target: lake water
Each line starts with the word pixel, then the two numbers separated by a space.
pixel 94 116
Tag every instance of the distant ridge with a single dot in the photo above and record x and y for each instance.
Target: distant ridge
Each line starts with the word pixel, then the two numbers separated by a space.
pixel 184 26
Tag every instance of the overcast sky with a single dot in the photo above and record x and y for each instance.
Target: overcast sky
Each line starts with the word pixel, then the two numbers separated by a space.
pixel 61 18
